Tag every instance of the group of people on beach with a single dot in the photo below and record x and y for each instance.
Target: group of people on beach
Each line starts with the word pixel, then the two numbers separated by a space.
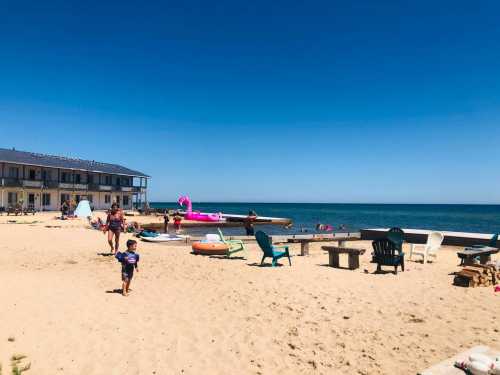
pixel 116 224
pixel 129 259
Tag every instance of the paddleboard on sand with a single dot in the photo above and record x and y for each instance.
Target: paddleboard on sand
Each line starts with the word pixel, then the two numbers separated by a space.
pixel 164 238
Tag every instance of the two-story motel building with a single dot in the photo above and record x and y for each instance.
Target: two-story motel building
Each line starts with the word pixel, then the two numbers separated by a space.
pixel 45 181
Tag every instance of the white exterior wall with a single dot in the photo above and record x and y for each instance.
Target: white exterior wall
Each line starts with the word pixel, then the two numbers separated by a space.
pixel 35 187
pixel 98 198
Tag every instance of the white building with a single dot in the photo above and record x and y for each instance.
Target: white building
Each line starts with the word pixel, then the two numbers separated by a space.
pixel 44 182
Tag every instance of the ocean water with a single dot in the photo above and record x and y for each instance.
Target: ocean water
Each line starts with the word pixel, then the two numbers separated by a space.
pixel 305 216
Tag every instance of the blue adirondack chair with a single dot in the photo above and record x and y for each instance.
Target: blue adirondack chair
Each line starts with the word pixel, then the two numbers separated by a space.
pixel 271 251
pixel 386 253
pixel 397 236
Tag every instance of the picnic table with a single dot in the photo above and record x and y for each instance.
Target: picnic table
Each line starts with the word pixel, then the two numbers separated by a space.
pixel 484 253
pixel 306 239
pixel 334 255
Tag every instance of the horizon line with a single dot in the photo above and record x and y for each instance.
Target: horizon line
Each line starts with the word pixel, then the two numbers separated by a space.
pixel 347 203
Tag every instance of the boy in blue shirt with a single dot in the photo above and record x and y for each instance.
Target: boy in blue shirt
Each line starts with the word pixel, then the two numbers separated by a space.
pixel 129 261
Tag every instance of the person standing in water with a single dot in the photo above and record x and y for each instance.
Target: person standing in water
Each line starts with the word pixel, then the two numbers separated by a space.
pixel 249 223
pixel 166 220
pixel 177 223
pixel 115 225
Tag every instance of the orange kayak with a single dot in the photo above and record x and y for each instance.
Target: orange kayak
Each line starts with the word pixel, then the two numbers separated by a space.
pixel 210 248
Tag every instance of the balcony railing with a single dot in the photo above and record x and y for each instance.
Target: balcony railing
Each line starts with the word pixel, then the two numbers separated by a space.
pixel 50 184
pixel 32 183
pixel 12 182
pixel 44 184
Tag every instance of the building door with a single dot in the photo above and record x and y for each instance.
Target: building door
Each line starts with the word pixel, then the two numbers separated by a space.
pixel 64 198
pixel 31 200
pixel 118 200
pixel 46 199
pixel 12 198
pixel 78 198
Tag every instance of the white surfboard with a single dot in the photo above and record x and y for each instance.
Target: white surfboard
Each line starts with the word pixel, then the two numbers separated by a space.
pixel 164 238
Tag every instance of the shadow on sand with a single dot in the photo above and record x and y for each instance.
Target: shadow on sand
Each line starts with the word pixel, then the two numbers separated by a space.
pixel 106 254
pixel 116 291
pixel 264 265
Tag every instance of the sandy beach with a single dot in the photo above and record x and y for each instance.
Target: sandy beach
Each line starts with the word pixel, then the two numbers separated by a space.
pixel 191 314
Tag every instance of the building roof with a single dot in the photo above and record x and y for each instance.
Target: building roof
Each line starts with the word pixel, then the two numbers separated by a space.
pixel 50 161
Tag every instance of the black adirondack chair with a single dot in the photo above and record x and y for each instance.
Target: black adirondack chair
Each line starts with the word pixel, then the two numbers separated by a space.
pixel 385 253
pixel 397 236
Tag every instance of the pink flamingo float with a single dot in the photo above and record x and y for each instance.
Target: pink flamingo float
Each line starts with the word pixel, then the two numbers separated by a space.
pixel 198 216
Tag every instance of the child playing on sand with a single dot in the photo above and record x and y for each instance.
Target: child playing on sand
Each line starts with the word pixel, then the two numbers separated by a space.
pixel 129 261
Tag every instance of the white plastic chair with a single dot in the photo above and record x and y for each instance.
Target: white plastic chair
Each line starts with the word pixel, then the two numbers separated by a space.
pixel 430 249
pixel 212 238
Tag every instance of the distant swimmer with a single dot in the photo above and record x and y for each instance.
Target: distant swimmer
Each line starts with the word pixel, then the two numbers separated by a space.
pixel 249 220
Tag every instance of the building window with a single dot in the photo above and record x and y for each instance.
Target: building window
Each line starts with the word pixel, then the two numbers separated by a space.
pixel 90 179
pixel 64 177
pixel 32 174
pixel 125 200
pixel 78 178
pixel 46 175
pixel 118 181
pixel 45 199
pixel 12 198
pixel 107 180
pixel 107 198
pixel 13 172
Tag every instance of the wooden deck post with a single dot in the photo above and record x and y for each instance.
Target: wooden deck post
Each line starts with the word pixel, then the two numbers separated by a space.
pixel 304 248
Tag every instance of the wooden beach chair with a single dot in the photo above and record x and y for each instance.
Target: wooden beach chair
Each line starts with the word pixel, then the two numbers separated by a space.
pixel 430 249
pixel 386 253
pixel 271 251
pixel 235 246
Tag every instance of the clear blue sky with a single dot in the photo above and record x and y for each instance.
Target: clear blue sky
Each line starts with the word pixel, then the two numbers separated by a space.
pixel 317 101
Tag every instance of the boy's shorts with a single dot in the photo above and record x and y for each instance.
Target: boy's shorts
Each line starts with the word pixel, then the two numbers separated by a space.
pixel 127 274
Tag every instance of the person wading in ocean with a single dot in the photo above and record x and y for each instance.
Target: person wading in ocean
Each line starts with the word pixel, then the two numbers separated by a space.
pixel 249 223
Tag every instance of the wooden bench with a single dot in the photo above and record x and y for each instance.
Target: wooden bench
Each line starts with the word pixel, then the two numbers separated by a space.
pixel 334 255
pixel 306 239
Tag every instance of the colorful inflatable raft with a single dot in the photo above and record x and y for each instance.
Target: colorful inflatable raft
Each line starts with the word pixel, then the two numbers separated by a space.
pixel 210 248
pixel 197 216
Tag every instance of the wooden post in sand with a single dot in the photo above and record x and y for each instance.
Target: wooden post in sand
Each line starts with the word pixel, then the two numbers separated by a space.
pixel 304 248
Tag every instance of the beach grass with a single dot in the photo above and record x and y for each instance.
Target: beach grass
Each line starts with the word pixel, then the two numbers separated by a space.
pixel 17 366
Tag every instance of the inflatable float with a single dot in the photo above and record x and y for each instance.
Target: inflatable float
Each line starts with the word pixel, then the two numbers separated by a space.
pixel 163 238
pixel 148 233
pixel 197 216
pixel 324 227
pixel 210 248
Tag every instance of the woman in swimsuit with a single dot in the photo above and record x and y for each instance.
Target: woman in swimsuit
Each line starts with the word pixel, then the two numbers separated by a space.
pixel 115 224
